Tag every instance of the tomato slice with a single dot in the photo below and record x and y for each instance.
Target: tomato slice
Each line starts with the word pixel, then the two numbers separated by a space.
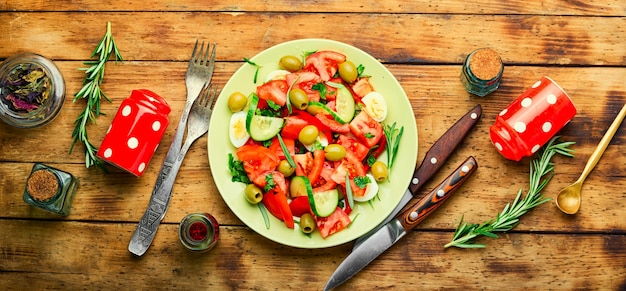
pixel 325 63
pixel 257 160
pixel 275 90
pixel 366 129
pixel 350 143
pixel 276 176
pixel 333 223
pixel 276 203
pixel 351 165
pixel 362 87
pixel 325 183
pixel 310 165
pixel 300 205
pixel 305 81
pixel 299 116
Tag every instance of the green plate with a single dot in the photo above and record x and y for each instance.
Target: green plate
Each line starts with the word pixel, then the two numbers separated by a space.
pixel 366 215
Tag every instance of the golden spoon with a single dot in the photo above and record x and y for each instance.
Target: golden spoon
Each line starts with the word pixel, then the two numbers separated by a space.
pixel 568 199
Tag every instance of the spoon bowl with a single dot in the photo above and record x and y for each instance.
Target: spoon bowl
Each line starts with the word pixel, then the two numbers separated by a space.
pixel 568 200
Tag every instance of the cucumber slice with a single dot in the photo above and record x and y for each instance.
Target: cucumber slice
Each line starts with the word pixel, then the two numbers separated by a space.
pixel 324 203
pixel 263 128
pixel 344 104
pixel 300 186
pixel 254 101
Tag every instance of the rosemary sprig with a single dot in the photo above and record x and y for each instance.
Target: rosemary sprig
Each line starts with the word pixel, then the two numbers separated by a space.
pixel 92 92
pixel 509 217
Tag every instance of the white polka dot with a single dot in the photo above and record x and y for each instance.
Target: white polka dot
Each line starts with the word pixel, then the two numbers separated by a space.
pixel 133 143
pixel 474 115
pixel 498 146
pixel 551 99
pixel 151 99
pixel 520 127
pixel 109 129
pixel 536 84
pixel 546 126
pixel 156 125
pixel 415 181
pixel 108 153
pixel 535 148
pixel 440 193
pixel 527 102
pixel 141 167
pixel 465 169
pixel 127 110
pixel 414 215
pixel 433 160
pixel 503 112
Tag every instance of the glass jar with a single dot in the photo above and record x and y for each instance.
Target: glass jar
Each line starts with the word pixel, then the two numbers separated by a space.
pixel 50 189
pixel 482 72
pixel 199 232
pixel 32 90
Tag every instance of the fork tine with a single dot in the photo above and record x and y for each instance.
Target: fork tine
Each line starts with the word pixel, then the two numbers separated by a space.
pixel 213 95
pixel 212 60
pixel 206 54
pixel 193 54
pixel 200 58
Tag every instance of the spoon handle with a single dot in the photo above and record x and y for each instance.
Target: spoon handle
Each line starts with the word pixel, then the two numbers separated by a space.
pixel 606 139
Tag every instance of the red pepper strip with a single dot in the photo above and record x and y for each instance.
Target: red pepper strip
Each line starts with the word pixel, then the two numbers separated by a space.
pixel 269 200
pixel 283 205
pixel 318 165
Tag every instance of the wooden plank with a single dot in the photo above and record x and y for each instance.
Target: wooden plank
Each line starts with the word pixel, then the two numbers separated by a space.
pixel 551 7
pixel 37 257
pixel 122 197
pixel 394 38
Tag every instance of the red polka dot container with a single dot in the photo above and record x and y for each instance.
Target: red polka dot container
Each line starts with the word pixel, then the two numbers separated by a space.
pixel 531 120
pixel 136 131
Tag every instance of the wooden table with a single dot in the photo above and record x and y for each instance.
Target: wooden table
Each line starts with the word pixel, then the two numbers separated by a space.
pixel 580 44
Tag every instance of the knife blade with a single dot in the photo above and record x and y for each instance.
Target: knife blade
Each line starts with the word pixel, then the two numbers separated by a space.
pixel 398 227
pixel 433 161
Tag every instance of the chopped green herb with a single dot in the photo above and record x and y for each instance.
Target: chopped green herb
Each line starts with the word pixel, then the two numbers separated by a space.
pixel 320 87
pixel 359 70
pixel 368 135
pixel 273 105
pixel 393 136
pixel 362 181
pixel 237 171
pixel 370 160
pixel 286 152
pixel 266 218
pixel 269 178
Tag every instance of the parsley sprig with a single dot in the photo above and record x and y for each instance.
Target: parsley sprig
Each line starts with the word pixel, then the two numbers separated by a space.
pixel 92 92
pixel 506 220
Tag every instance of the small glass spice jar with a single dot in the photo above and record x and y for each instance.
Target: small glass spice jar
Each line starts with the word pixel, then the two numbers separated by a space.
pixel 32 90
pixel 50 189
pixel 482 72
pixel 199 232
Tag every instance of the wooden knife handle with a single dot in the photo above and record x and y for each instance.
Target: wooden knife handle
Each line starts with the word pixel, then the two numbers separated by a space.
pixel 443 148
pixel 420 210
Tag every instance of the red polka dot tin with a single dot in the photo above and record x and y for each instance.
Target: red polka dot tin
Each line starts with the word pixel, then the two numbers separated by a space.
pixel 531 120
pixel 136 131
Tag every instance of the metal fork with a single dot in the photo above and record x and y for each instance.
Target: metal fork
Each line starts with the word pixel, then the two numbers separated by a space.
pixel 198 76
pixel 198 125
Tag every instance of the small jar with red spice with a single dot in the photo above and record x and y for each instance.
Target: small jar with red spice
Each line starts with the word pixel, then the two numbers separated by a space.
pixel 199 232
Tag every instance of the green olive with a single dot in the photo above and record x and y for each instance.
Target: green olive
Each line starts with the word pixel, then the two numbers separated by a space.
pixel 348 72
pixel 237 101
pixel 335 152
pixel 290 63
pixel 307 224
pixel 308 134
pixel 253 194
pixel 285 168
pixel 299 98
pixel 379 171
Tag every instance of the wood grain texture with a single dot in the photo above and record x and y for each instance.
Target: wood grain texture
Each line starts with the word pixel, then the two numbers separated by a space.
pixel 579 44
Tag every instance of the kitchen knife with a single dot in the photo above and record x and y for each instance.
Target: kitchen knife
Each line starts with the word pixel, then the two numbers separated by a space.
pixel 433 160
pixel 398 227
